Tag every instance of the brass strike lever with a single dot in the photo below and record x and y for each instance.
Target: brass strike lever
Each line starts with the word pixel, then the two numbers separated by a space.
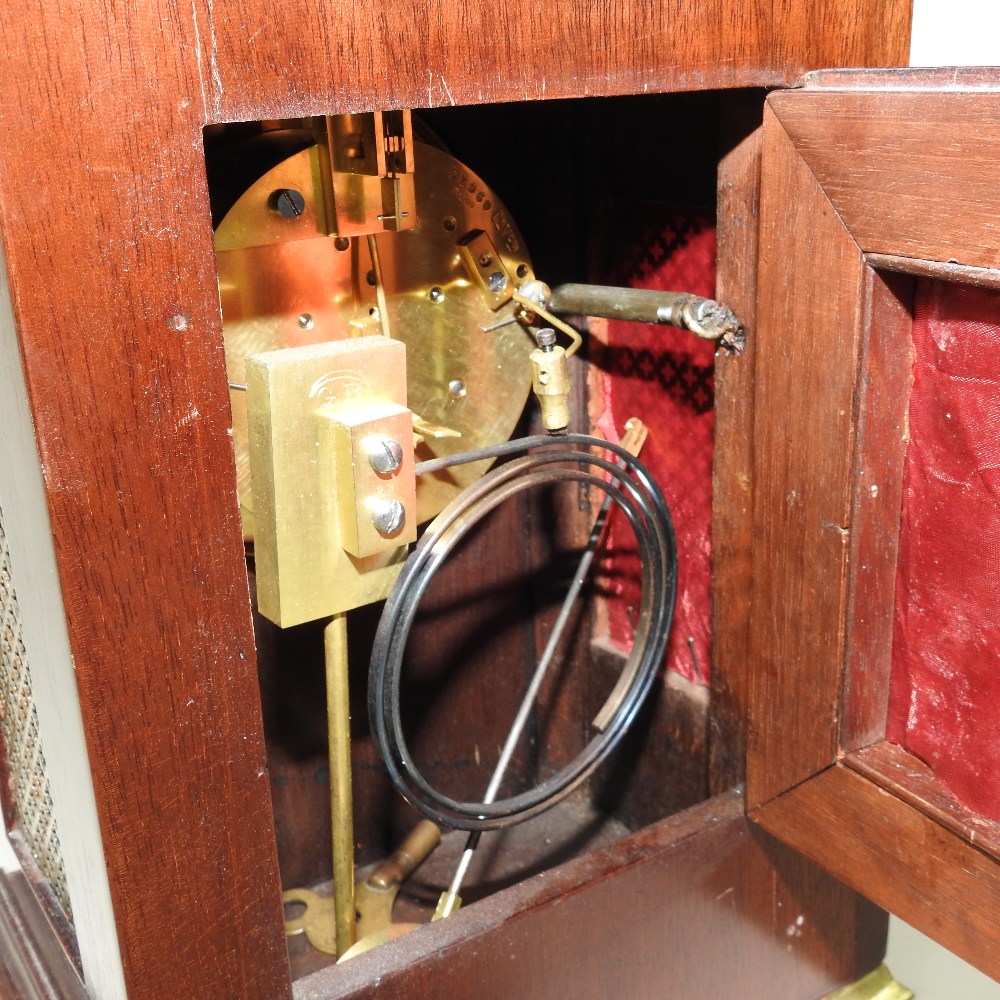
pixel 375 895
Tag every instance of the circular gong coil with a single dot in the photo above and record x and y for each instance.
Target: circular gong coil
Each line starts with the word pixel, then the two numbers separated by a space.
pixel 570 458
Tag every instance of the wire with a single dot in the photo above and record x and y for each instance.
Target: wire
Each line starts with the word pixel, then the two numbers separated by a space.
pixel 532 306
pixel 568 459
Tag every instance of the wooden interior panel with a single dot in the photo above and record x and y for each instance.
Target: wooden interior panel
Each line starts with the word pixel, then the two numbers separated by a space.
pixel 700 904
pixel 109 251
pixel 908 777
pixel 277 60
pixel 876 818
pixel 809 331
pixel 979 277
pixel 732 484
pixel 882 431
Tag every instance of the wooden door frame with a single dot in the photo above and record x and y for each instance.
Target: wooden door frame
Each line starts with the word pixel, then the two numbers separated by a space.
pixel 869 179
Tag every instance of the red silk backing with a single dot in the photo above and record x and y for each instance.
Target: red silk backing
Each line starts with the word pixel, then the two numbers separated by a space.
pixel 664 376
pixel 945 693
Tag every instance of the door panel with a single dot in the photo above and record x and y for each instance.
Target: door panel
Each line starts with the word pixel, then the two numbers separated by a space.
pixel 871 179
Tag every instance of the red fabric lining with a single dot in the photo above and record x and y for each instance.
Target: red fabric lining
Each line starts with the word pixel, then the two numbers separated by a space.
pixel 664 377
pixel 945 690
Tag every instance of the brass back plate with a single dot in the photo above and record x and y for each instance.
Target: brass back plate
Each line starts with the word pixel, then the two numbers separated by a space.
pixel 282 285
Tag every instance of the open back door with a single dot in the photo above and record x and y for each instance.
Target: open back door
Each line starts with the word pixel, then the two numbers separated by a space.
pixel 874 661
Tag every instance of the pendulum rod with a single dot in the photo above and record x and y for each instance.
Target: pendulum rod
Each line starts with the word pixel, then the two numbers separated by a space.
pixel 341 803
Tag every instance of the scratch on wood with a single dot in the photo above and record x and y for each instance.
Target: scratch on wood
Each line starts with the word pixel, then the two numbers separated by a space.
pixel 216 76
pixel 197 52
pixel 447 90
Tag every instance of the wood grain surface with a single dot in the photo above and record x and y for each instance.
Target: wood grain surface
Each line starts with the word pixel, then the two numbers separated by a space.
pixel 908 185
pixel 904 174
pixel 104 206
pixel 897 856
pixel 809 328
pixel 278 59
pixel 909 778
pixel 979 277
pixel 700 904
pixel 882 434
pixel 732 482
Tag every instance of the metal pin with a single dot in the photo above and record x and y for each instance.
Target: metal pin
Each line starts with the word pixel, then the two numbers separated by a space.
pixel 382 312
pixel 499 324
pixel 694 660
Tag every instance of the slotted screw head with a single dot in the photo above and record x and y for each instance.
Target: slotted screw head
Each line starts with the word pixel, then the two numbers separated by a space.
pixel 546 338
pixel 384 455
pixel 287 202
pixel 388 516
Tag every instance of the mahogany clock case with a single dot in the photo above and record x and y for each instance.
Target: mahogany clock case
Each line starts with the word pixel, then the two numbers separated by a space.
pixel 112 284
